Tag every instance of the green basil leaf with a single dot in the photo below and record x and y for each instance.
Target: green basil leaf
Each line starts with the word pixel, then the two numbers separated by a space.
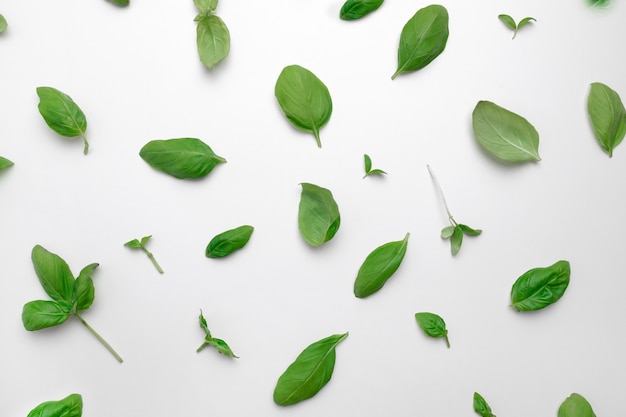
pixel 379 266
pixel 229 241
pixel 422 39
pixel 54 275
pixel 213 40
pixel 181 158
pixel 70 406
pixel 61 114
pixel 205 6
pixel 309 373
pixel 84 291
pixel 204 326
pixel 368 163
pixel 40 314
pixel 469 231
pixel 145 240
pixel 607 115
pixel 505 134
pixel 376 172
pixel 456 240
pixel 524 21
pixel 304 99
pixel 433 325
pixel 575 406
pixel 133 244
pixel 540 287
pixel 5 163
pixel 222 347
pixel 318 214
pixel 447 232
pixel 120 2
pixel 481 407
pixel 508 20
pixel 356 9
pixel 3 24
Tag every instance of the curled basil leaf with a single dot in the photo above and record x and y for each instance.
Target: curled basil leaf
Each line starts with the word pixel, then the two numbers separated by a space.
pixel 540 287
pixel 5 163
pixel 433 325
pixel 213 39
pixel 481 407
pixel 356 9
pixel 607 115
pixel 70 406
pixel 379 266
pixel 181 158
pixel 221 346
pixel 229 241
pixel 318 214
pixel 576 406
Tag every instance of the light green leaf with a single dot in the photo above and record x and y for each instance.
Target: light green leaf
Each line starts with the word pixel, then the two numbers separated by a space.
pixel 70 406
pixel 576 406
pixel 607 115
pixel 229 241
pixel 456 240
pixel 524 21
pixel 3 24
pixel 84 291
pixel 469 231
pixel 181 158
pixel 213 40
pixel 41 314
pixel 356 9
pixel 5 163
pixel 481 407
pixel 447 232
pixel 318 214
pixel 508 20
pixel 379 266
pixel 540 287
pixel 61 114
pixel 433 325
pixel 145 240
pixel 133 244
pixel 54 275
pixel 205 6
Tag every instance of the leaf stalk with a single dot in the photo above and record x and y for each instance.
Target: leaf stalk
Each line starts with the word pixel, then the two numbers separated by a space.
pixel 100 338
pixel 152 258
pixel 443 197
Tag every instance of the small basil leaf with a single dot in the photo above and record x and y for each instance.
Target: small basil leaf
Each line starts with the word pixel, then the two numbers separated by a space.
pixel 469 231
pixel 145 240
pixel 61 114
pixel 205 6
pixel 524 21
pixel 222 347
pixel 70 406
pixel 376 172
pixel 204 326
pixel 181 158
pixel 379 266
pixel 607 115
pixel 304 99
pixel 356 9
pixel 422 39
pixel 505 134
pixel 229 241
pixel 540 287
pixel 133 244
pixel 309 373
pixel 481 407
pixel 120 2
pixel 447 232
pixel 368 163
pixel 508 20
pixel 40 314
pixel 3 24
pixel 456 240
pixel 318 214
pixel 54 275
pixel 213 40
pixel 576 406
pixel 433 325
pixel 5 163
pixel 84 291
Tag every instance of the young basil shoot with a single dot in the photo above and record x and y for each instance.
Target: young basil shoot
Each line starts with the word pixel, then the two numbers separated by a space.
pixel 481 407
pixel 3 24
pixel 508 20
pixel 456 231
pixel 5 163
pixel 62 115
pixel 433 325
pixel 181 158
pixel 70 295
pixel 368 167
pixel 356 9
pixel 212 35
pixel 576 406
pixel 70 406
pixel 540 287
pixel 318 214
pixel 221 346
pixel 379 266
pixel 229 241
pixel 607 115
pixel 141 244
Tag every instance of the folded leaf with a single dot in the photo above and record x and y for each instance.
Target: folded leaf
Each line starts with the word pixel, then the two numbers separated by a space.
pixel 318 214
pixel 481 407
pixel 576 406
pixel 540 287
pixel 5 163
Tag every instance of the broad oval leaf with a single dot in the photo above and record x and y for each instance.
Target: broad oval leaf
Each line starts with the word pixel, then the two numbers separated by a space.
pixel 54 275
pixel 229 241
pixel 423 39
pixel 318 214
pixel 41 314
pixel 84 291
pixel 304 99
pixel 213 40
pixel 309 373
pixel 433 325
pixel 61 114
pixel 181 158
pixel 3 24
pixel 5 163
pixel 481 407
pixel 379 266
pixel 356 9
pixel 70 406
pixel 576 406
pixel 540 287
pixel 505 134
pixel 607 115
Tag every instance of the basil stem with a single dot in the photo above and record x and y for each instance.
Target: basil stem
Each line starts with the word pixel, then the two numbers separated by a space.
pixel 137 244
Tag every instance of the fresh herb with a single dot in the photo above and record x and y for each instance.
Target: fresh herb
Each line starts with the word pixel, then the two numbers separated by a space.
pixel 481 407
pixel 304 99
pixel 368 167
pixel 576 406
pixel 607 115
pixel 508 20
pixel 120 2
pixel 505 134
pixel 69 296
pixel 221 346
pixel 599 3
pixel 540 287
pixel 141 244
pixel 433 325
pixel 456 231
pixel 181 158
pixel 62 115
pixel 379 266
pixel 422 39
pixel 212 35
pixel 356 9
pixel 3 24
pixel 308 374
pixel 5 163
pixel 229 241
pixel 70 406
pixel 318 214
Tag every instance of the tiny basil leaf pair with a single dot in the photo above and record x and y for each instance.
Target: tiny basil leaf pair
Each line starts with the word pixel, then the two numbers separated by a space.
pixel 221 346
pixel 508 20
pixel 318 214
pixel 70 406
pixel 540 287
pixel 379 266
pixel 368 167
pixel 607 115
pixel 576 406
pixel 212 35
pixel 62 115
pixel 356 9
pixel 141 244
pixel 481 407
pixel 229 241
pixel 433 325
pixel 181 158
pixel 5 163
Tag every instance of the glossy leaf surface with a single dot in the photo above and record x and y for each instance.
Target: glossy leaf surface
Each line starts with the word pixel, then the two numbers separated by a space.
pixel 433 325
pixel 540 287
pixel 318 214
pixel 229 241
pixel 607 115
pixel 212 39
pixel 41 314
pixel 61 114
pixel 481 407
pixel 70 406
pixel 5 163
pixel 576 406
pixel 181 158
pixel 356 9
pixel 379 266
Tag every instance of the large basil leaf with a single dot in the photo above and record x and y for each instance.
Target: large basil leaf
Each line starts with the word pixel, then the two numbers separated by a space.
pixel 62 115
pixel 379 266
pixel 304 99
pixel 40 314
pixel 5 163
pixel 540 287
pixel 318 214
pixel 433 325
pixel 607 115
pixel 181 158
pixel 504 134
pixel 84 291
pixel 575 406
pixel 54 275
pixel 213 39
pixel 229 241
pixel 481 407
pixel 356 9
pixel 70 406
pixel 308 374
pixel 422 39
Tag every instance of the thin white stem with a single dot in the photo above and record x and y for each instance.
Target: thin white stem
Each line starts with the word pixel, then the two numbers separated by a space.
pixel 443 197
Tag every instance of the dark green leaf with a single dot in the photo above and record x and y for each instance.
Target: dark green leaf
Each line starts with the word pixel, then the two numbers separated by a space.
pixel 379 266
pixel 607 115
pixel 120 2
pixel 61 113
pixel 229 241
pixel 309 373
pixel 575 406
pixel 433 325
pixel 70 406
pixel 423 38
pixel 84 290
pixel 508 20
pixel 181 158
pixel 447 232
pixel 318 214
pixel 54 275
pixel 456 240
pixel 304 99
pixel 356 9
pixel 221 346
pixel 40 314
pixel 540 287
pixel 213 40
pixel 3 24
pixel 505 134
pixel 133 244
pixel 481 407
pixel 145 240
pixel 5 163
pixel 469 231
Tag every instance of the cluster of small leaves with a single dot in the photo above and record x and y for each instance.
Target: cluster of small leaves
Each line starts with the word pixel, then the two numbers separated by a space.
pixel 508 20
pixel 181 158
pixel 221 346
pixel 229 241
pixel 212 35
pixel 5 163
pixel 70 406
pixel 141 244
pixel 607 115
pixel 433 325
pixel 368 167
pixel 62 115
pixel 356 9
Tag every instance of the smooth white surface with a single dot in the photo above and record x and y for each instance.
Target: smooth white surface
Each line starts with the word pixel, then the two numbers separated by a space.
pixel 136 74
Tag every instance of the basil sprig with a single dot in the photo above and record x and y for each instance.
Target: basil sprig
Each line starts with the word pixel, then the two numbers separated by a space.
pixel 181 158
pixel 539 287
pixel 508 20
pixel 318 214
pixel 433 325
pixel 607 115
pixel 367 161
pixel 481 407
pixel 62 115
pixel 221 346
pixel 141 244
pixel 70 406
pixel 229 241
pixel 212 35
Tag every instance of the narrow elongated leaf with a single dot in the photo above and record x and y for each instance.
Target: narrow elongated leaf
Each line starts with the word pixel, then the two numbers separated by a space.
pixel 576 406
pixel 456 240
pixel 525 21
pixel 213 40
pixel 229 241
pixel 309 373
pixel 3 24
pixel 505 134
pixel 607 115
pixel 181 158
pixel 5 163
pixel 433 325
pixel 70 406
pixel 54 275
pixel 221 346
pixel 61 114
pixel 481 407
pixel 508 20
pixel 318 214
pixel 447 232
pixel 540 287
pixel 379 266
pixel 469 231
pixel 304 99
pixel 84 291
pixel 423 38
pixel 40 314
pixel 356 9
pixel 368 163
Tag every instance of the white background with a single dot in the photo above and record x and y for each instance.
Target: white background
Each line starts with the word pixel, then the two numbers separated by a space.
pixel 135 73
